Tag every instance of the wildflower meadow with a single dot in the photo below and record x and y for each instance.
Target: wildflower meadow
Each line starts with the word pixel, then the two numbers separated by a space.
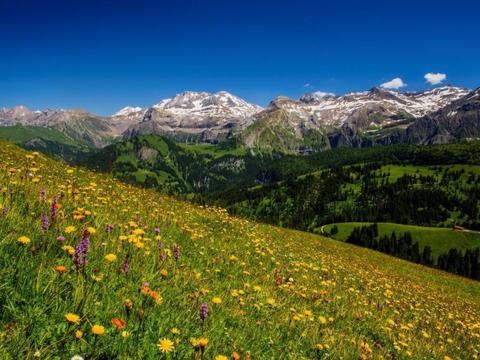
pixel 93 268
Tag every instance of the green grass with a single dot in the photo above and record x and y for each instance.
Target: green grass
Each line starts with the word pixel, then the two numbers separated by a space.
pixel 157 143
pixel 439 239
pixel 397 171
pixel 214 151
pixel 21 134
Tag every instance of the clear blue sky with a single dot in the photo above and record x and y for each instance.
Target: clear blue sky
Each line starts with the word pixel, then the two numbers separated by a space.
pixel 103 55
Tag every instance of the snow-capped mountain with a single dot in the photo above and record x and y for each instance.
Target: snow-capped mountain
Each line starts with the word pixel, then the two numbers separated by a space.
pixel 316 96
pixel 336 110
pixel 305 124
pixel 202 104
pixel 126 117
pixel 129 110
pixel 315 122
pixel 196 116
pixel 459 120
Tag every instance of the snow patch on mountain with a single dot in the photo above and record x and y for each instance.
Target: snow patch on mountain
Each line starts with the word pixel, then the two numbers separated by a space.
pixel 336 110
pixel 128 110
pixel 203 104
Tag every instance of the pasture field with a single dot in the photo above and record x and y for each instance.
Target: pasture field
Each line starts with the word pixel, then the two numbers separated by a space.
pixel 439 239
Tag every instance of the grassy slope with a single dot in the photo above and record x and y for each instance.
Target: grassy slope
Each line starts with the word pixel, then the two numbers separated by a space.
pixel 48 141
pixel 397 171
pixel 214 151
pixel 330 299
pixel 439 239
pixel 23 134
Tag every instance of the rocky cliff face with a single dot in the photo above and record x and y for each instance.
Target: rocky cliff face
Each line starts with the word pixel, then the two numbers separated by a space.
pixel 456 121
pixel 285 125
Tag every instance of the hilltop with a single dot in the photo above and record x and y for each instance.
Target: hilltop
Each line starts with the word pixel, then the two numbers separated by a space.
pixel 95 267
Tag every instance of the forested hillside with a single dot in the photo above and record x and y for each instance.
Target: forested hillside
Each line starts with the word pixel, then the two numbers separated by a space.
pixel 437 195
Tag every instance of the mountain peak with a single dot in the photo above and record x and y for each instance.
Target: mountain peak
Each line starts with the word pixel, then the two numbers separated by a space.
pixel 316 96
pixel 19 111
pixel 214 104
pixel 381 91
pixel 128 110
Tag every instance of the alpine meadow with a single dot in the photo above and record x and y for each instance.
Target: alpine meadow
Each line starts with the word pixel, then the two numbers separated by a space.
pixel 96 267
pixel 239 180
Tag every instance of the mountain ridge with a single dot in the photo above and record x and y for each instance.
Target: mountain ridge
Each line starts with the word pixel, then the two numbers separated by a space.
pixel 315 122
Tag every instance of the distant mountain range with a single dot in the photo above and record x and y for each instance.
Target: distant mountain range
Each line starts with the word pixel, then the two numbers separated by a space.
pixel 315 122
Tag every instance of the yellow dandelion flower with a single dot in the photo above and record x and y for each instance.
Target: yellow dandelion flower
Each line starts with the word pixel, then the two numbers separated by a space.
pixel 69 249
pixel 217 300
pixel 166 345
pixel 271 301
pixel 98 330
pixel 91 230
pixel 24 240
pixel 72 318
pixel 175 331
pixel 203 342
pixel 78 334
pixel 194 342
pixel 110 257
pixel 70 229
pixel 221 357
pixel 97 278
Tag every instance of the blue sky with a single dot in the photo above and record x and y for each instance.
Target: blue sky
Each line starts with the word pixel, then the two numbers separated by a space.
pixel 103 55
